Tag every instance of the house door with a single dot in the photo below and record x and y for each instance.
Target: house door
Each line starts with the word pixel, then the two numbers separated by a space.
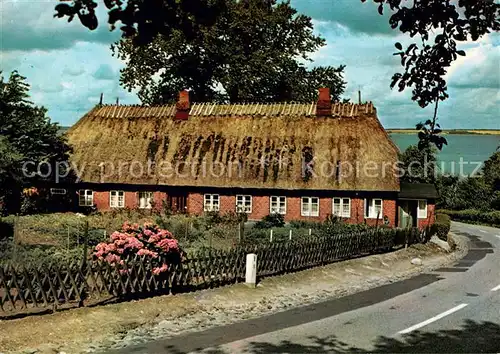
pixel 408 213
pixel 177 202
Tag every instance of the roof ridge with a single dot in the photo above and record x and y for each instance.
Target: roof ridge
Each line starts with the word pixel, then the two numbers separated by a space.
pixel 230 104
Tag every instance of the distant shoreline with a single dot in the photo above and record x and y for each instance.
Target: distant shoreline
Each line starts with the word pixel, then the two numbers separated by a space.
pixel 450 131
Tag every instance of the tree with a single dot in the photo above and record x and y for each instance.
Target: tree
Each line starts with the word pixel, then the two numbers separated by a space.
pixel 418 164
pixel 438 24
pixel 424 64
pixel 491 171
pixel 27 138
pixel 249 53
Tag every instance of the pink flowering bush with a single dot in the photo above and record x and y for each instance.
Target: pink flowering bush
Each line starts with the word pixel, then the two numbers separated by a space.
pixel 149 241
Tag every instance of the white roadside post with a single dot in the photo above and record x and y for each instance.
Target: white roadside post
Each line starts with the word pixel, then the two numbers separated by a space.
pixel 271 236
pixel 251 270
pixel 290 235
pixel 309 232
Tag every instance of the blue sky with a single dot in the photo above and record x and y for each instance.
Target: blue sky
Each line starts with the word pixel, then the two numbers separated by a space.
pixel 69 66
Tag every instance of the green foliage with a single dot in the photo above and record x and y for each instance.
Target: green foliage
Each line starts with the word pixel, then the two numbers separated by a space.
pixel 481 192
pixel 35 256
pixel 425 61
pixel 491 171
pixel 429 134
pixel 254 51
pixel 6 227
pixel 418 165
pixel 26 136
pixel 441 226
pixel 491 218
pixel 304 224
pixel 270 221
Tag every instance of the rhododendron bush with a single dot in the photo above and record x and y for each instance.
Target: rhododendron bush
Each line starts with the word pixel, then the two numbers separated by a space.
pixel 156 245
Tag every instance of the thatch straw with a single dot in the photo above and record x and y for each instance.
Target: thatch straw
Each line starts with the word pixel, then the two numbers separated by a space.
pixel 279 134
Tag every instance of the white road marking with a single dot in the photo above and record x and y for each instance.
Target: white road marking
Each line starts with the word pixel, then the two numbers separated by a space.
pixel 496 288
pixel 433 319
pixel 484 232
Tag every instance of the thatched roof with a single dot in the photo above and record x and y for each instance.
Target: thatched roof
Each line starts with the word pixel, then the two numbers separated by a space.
pixel 269 143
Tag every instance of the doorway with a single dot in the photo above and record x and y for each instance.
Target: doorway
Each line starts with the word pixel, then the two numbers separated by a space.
pixel 408 213
pixel 177 202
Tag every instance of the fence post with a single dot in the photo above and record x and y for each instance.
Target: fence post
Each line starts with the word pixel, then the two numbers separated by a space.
pixel 290 234
pixel 85 243
pixel 271 236
pixel 16 235
pixel 251 270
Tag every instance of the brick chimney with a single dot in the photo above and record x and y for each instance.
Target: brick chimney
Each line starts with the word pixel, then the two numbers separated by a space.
pixel 324 105
pixel 182 106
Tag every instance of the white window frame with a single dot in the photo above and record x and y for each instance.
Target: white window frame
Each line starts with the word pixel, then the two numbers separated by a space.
pixel 116 203
pixel 85 197
pixel 241 204
pixel 342 202
pixel 211 202
pixel 308 203
pixel 422 213
pixel 370 212
pixel 148 198
pixel 57 191
pixel 277 205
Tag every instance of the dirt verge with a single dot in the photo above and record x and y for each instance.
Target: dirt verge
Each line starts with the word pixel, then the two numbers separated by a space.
pixel 119 325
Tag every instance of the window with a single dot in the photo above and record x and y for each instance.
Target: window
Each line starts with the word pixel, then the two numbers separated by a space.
pixel 211 202
pixel 145 200
pixel 85 197
pixel 117 199
pixel 277 205
pixel 310 206
pixel 244 203
pixel 57 191
pixel 373 208
pixel 422 209
pixel 342 207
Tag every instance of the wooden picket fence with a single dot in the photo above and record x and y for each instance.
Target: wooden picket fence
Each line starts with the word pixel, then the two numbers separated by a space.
pixel 25 289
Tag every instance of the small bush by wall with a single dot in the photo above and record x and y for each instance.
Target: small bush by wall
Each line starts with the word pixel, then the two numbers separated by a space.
pixel 441 226
pixel 474 216
pixel 6 227
pixel 269 221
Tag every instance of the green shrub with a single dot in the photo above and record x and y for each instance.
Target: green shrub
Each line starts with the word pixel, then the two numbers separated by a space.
pixel 303 224
pixel 270 221
pixel 441 226
pixel 6 227
pixel 474 216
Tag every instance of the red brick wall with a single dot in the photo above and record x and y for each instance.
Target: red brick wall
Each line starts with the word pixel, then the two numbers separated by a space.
pixel 101 199
pixel 261 204
pixel 195 203
pixel 423 223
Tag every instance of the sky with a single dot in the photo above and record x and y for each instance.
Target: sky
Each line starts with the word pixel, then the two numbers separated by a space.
pixel 69 66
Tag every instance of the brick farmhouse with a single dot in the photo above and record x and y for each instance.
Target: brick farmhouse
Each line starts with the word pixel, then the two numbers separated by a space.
pixel 305 161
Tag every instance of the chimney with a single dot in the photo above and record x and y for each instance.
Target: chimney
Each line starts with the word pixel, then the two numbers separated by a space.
pixel 182 106
pixel 324 105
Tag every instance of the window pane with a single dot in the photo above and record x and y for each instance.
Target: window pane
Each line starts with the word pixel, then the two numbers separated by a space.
pixel 305 206
pixel 346 210
pixel 336 206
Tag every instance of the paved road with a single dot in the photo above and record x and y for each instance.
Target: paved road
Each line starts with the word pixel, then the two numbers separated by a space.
pixel 452 310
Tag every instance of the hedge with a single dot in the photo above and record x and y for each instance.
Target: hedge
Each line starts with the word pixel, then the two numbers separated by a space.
pixel 474 216
pixel 6 227
pixel 441 226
